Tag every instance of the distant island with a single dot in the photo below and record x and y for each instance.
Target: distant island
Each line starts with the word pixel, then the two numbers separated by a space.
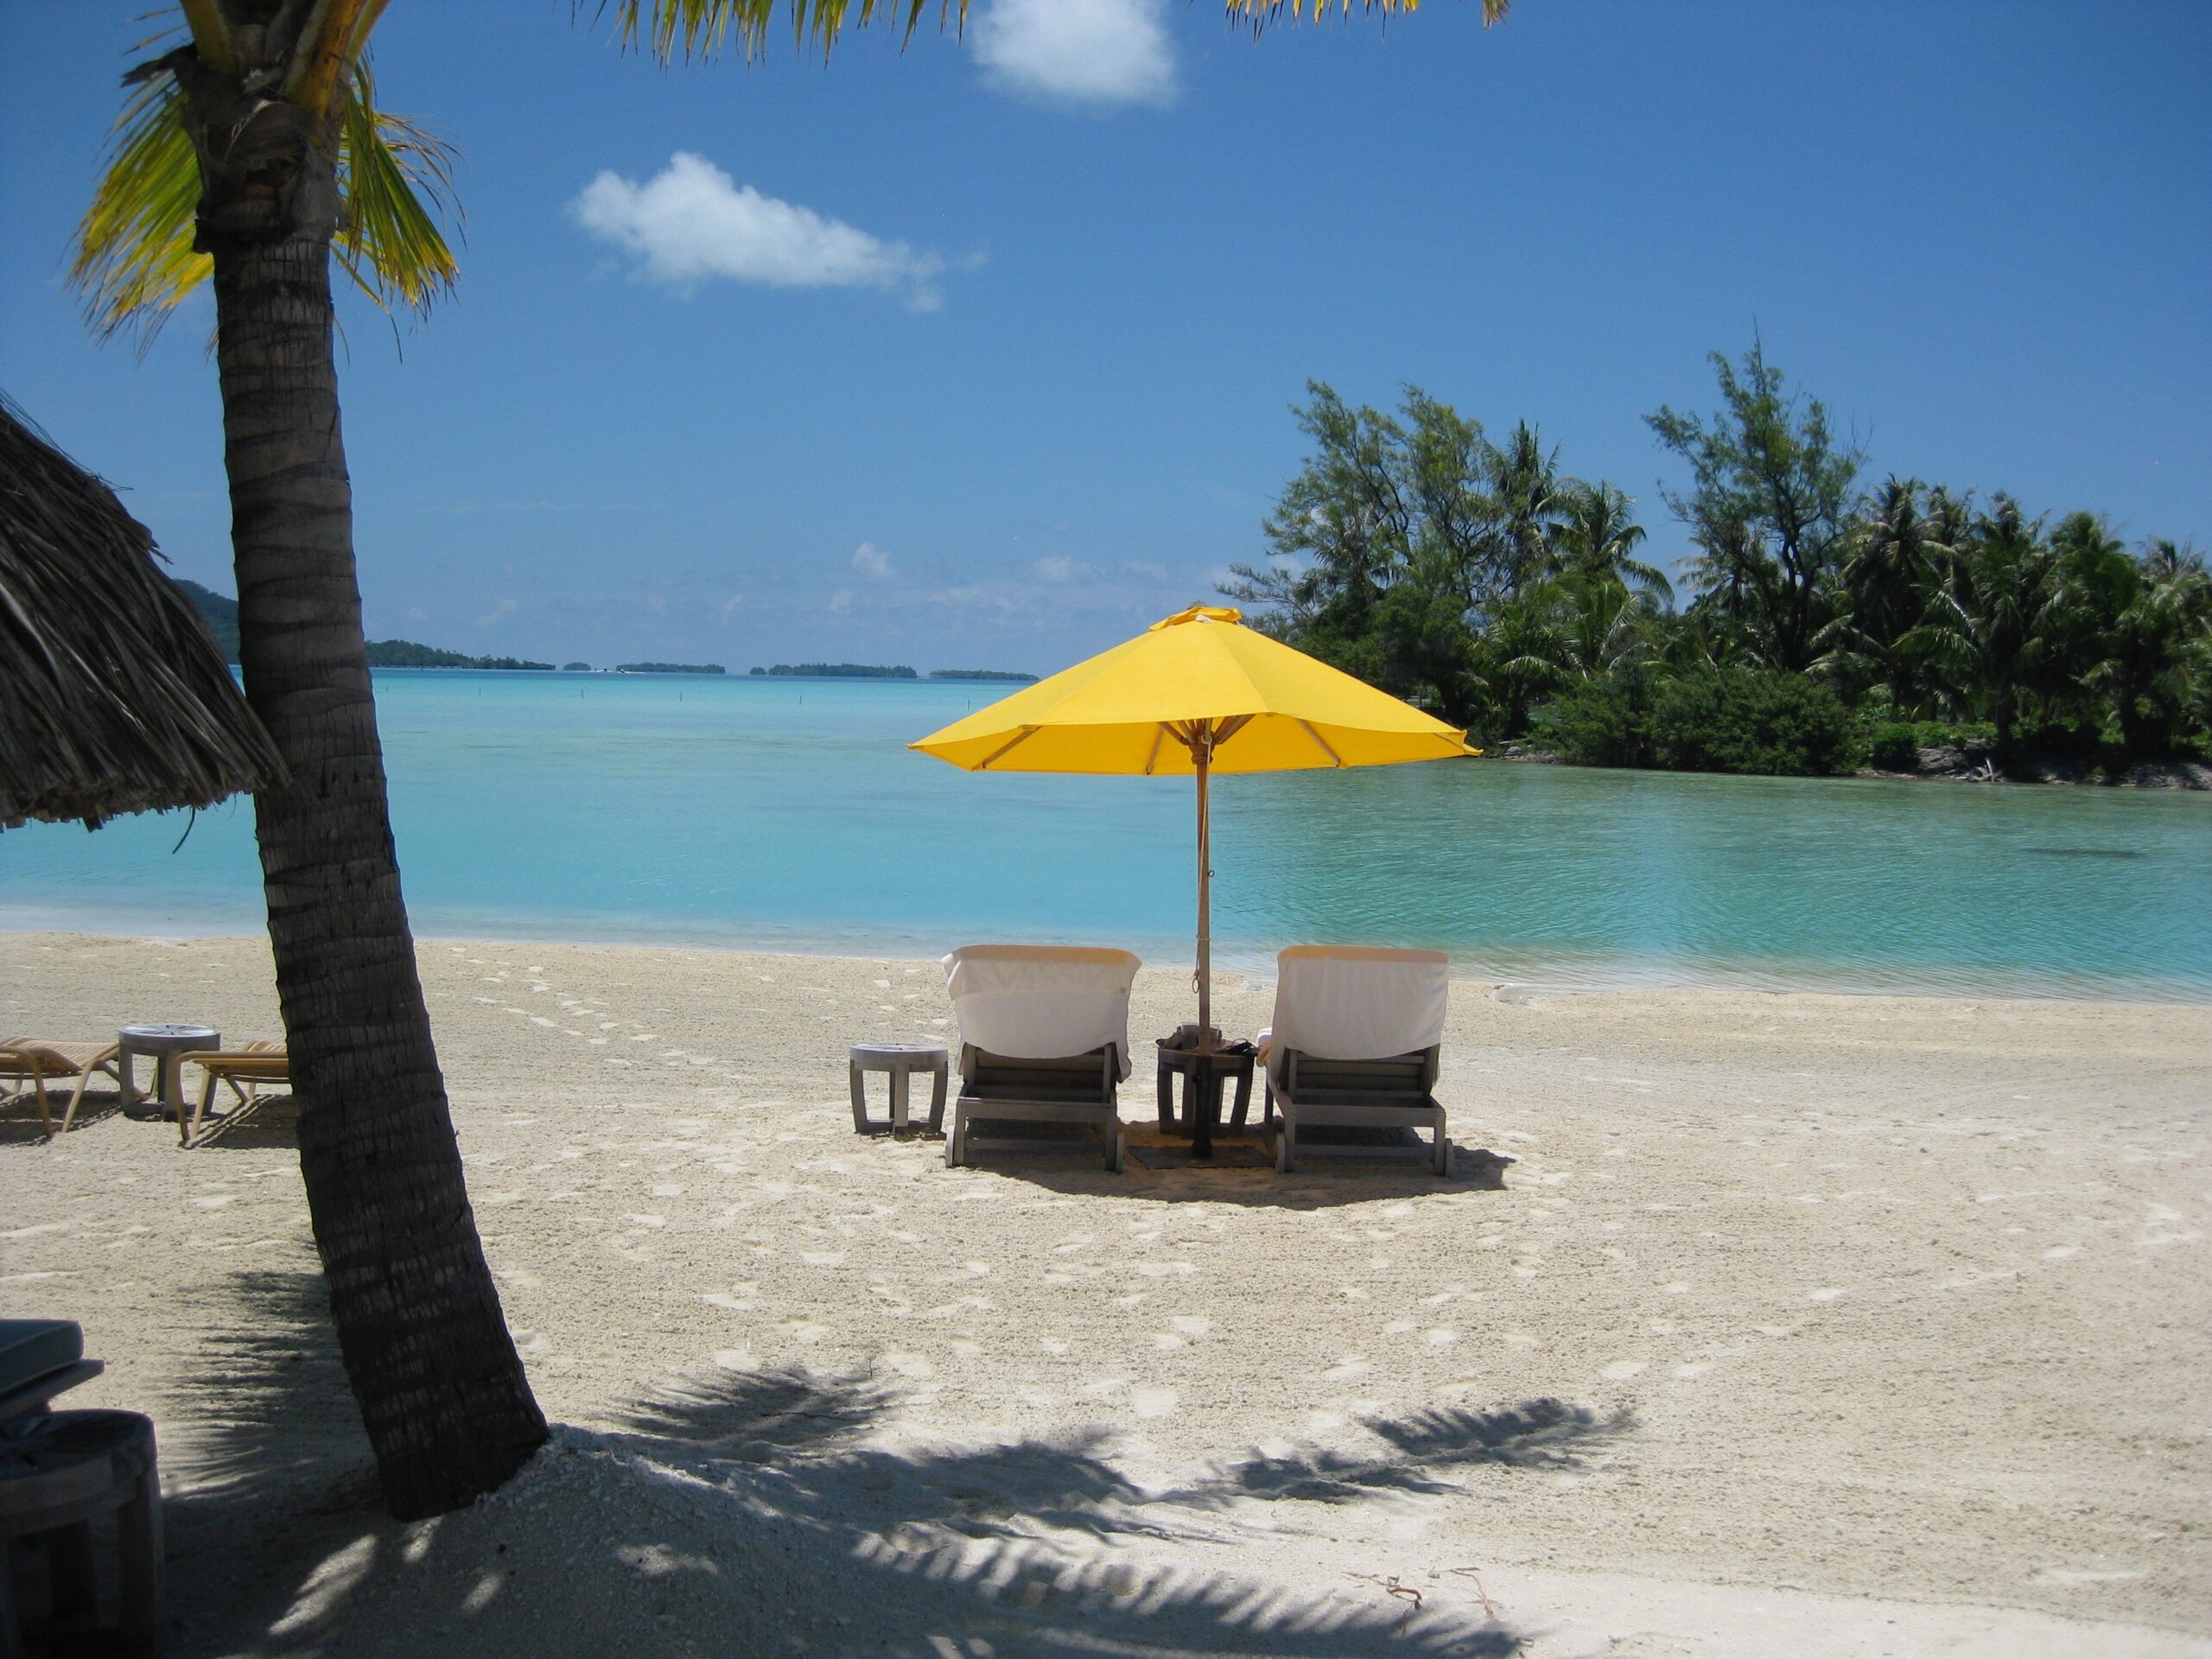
pixel 670 668
pixel 575 668
pixel 221 615
pixel 405 653
pixel 999 676
pixel 839 671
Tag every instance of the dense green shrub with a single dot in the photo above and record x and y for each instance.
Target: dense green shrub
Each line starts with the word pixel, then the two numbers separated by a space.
pixel 1894 747
pixel 1706 720
pixel 1747 720
pixel 1604 723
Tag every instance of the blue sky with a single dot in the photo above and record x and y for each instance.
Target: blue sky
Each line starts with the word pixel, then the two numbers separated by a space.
pixel 981 352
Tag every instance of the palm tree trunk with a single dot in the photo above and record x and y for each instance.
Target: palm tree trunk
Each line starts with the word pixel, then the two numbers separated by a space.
pixel 448 1408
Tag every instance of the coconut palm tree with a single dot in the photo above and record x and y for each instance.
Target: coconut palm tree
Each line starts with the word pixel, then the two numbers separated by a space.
pixel 2155 655
pixel 1990 629
pixel 1897 551
pixel 1596 535
pixel 251 155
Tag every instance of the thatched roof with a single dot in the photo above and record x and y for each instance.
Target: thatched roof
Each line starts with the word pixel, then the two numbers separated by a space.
pixel 113 697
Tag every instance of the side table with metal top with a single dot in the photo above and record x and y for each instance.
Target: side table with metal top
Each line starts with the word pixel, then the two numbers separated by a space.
pixel 1205 1074
pixel 901 1060
pixel 163 1044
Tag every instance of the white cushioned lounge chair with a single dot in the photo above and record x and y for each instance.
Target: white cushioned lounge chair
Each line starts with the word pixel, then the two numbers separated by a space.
pixel 1355 1043
pixel 1044 1037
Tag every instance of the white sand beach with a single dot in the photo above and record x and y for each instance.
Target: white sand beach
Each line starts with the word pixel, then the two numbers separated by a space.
pixel 1803 1324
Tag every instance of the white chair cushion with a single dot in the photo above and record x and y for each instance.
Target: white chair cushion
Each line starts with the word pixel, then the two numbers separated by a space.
pixel 1353 1002
pixel 1042 1002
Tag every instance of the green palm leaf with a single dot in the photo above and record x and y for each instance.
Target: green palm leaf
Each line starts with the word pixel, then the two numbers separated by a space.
pixel 135 262
pixel 391 173
pixel 671 29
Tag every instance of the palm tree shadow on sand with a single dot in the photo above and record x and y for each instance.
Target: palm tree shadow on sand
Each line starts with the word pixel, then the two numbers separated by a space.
pixel 780 1512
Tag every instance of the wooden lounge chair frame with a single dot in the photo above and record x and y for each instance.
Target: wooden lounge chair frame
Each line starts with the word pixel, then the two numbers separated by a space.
pixel 244 1070
pixel 27 1063
pixel 1079 1089
pixel 1394 1093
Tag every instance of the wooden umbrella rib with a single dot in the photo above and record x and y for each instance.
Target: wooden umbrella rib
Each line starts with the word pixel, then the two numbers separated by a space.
pixel 1021 736
pixel 1335 760
pixel 1152 759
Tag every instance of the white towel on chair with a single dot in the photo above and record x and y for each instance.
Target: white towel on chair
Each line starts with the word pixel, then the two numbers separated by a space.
pixel 1042 1002
pixel 1351 1002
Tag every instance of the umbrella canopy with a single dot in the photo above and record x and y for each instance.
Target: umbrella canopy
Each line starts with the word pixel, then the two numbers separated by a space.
pixel 113 697
pixel 1196 694
pixel 1199 681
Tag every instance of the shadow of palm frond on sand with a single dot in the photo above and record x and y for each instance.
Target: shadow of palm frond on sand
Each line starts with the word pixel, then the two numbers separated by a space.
pixel 787 1512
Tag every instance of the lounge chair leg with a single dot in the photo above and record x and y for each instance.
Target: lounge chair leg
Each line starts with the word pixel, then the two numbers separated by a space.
pixel 956 1144
pixel 44 1117
pixel 1113 1151
pixel 1286 1151
pixel 76 1097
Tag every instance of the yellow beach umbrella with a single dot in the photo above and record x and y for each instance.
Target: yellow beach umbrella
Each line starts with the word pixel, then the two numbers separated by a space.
pixel 1196 694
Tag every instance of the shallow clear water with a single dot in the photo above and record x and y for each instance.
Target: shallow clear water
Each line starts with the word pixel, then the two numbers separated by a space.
pixel 789 813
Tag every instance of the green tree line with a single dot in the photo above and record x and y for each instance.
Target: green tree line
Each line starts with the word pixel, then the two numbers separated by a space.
pixel 1826 620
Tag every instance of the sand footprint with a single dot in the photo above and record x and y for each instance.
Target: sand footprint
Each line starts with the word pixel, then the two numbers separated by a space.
pixel 1153 1403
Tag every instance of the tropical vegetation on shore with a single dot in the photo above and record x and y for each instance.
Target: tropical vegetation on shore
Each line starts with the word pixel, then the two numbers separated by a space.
pixel 1826 622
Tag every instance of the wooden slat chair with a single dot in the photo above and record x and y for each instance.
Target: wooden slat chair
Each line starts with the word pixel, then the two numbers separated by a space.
pixel 1077 1089
pixel 29 1064
pixel 1355 1044
pixel 1044 1034
pixel 1397 1093
pixel 245 1070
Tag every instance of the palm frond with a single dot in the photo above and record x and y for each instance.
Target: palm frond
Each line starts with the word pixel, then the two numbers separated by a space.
pixel 1263 13
pixel 673 30
pixel 395 180
pixel 134 261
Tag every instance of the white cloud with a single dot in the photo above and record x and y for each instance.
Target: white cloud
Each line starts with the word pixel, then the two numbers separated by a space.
pixel 505 607
pixel 1058 568
pixel 692 221
pixel 871 560
pixel 1079 51
pixel 841 601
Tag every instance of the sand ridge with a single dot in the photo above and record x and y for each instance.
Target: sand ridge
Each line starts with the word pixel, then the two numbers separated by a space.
pixel 1791 1304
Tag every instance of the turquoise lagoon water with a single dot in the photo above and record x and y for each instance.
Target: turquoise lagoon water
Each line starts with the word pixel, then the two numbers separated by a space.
pixel 789 814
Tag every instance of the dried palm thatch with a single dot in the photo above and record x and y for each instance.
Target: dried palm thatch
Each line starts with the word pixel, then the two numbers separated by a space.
pixel 113 696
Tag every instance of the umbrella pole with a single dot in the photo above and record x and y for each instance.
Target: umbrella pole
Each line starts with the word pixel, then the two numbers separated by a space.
pixel 1202 753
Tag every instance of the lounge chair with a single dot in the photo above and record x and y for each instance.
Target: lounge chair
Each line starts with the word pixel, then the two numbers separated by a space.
pixel 1044 1038
pixel 1354 1045
pixel 29 1064
pixel 245 1070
